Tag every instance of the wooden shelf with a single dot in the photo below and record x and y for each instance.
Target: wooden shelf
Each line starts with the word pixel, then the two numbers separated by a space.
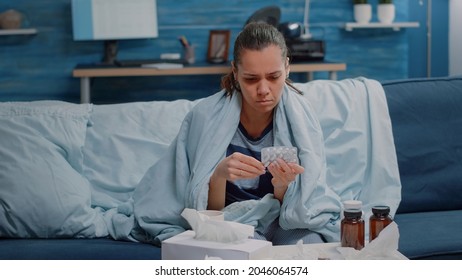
pixel 396 26
pixel 22 31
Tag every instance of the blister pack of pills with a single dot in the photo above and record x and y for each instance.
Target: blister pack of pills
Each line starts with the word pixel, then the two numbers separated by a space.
pixel 270 154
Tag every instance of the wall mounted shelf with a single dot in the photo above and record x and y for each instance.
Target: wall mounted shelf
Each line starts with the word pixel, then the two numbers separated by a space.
pixel 22 31
pixel 396 26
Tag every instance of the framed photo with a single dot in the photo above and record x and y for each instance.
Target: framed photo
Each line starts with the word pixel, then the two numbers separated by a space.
pixel 218 46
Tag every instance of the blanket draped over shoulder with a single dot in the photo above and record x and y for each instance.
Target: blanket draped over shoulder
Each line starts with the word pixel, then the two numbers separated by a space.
pixel 180 179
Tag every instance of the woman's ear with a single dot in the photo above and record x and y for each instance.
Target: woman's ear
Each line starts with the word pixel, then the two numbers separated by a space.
pixel 287 67
pixel 234 69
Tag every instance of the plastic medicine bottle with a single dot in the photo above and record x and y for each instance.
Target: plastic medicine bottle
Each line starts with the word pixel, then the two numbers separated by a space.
pixel 352 229
pixel 379 219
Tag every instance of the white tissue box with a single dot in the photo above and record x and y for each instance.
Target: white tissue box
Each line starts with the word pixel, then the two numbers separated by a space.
pixel 184 247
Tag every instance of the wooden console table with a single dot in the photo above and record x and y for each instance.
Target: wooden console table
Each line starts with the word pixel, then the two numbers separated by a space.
pixel 86 72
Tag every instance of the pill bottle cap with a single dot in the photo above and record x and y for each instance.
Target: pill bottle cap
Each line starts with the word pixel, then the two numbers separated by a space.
pixel 381 210
pixel 352 204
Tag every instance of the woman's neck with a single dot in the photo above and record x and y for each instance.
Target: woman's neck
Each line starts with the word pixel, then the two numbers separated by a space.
pixel 255 124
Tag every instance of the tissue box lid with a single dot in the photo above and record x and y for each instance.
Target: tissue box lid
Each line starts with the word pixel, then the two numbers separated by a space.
pixel 184 247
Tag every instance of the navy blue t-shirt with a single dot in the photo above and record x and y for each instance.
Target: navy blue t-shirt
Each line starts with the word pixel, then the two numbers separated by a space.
pixel 256 188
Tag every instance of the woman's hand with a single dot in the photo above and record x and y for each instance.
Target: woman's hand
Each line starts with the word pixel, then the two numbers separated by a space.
pixel 283 174
pixel 233 167
pixel 239 166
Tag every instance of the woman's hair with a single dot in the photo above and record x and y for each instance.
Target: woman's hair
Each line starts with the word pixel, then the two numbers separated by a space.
pixel 255 36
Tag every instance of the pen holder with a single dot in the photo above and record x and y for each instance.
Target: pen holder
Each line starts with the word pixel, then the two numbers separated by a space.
pixel 189 54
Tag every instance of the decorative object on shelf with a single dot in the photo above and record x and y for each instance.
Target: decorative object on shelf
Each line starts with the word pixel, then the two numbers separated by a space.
pixel 269 14
pixel 218 46
pixel 110 21
pixel 362 11
pixel 386 11
pixel 300 42
pixel 306 32
pixel 11 19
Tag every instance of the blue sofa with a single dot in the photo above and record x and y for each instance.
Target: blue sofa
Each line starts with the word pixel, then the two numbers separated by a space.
pixel 427 128
pixel 426 119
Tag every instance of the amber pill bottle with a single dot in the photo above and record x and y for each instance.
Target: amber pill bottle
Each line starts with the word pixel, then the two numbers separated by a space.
pixel 379 219
pixel 352 229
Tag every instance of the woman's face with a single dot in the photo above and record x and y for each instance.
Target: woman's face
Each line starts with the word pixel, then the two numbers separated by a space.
pixel 261 76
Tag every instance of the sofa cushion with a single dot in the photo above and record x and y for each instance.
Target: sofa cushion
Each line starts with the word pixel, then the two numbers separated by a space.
pixel 42 193
pixel 430 235
pixel 427 127
pixel 123 141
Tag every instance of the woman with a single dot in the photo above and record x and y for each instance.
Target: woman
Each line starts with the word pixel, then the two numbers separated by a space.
pixel 260 71
pixel 215 162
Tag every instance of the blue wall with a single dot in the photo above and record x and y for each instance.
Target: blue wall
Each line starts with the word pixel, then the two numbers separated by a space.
pixel 40 66
pixel 439 45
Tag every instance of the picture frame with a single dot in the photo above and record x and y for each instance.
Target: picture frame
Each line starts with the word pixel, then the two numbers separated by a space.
pixel 218 46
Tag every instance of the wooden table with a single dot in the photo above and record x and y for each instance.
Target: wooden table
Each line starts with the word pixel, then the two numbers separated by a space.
pixel 87 72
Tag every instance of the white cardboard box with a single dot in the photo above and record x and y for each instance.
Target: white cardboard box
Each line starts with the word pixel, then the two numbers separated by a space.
pixel 184 247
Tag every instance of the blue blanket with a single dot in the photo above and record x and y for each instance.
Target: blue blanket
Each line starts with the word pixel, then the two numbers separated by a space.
pixel 343 139
pixel 358 141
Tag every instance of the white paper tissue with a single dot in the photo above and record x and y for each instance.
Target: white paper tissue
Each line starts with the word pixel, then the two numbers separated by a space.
pixel 384 247
pixel 209 229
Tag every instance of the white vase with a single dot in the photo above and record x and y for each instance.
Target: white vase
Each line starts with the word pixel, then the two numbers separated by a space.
pixel 362 13
pixel 386 13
